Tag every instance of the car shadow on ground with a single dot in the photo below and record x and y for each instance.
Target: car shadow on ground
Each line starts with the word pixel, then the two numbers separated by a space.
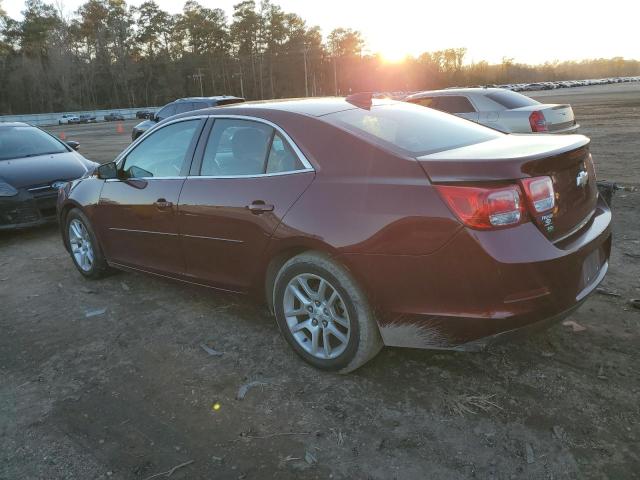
pixel 30 233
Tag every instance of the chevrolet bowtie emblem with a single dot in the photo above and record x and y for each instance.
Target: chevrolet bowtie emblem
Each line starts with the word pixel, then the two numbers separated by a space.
pixel 582 179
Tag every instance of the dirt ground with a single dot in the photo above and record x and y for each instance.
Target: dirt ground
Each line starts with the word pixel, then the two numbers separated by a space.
pixel 127 392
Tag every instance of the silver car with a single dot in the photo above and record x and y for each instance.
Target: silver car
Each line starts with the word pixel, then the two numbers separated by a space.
pixel 501 109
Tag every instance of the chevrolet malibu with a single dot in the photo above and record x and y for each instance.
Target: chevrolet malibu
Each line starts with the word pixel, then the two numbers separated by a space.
pixel 361 222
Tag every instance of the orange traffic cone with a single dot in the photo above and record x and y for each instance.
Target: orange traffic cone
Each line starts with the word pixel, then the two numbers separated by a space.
pixel 119 128
pixel 62 136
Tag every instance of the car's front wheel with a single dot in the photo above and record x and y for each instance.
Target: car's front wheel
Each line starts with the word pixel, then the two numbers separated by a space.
pixel 324 314
pixel 84 247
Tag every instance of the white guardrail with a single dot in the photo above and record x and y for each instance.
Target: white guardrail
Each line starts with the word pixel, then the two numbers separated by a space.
pixel 54 118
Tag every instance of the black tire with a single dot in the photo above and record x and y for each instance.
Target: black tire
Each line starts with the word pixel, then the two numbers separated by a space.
pixel 99 267
pixel 364 340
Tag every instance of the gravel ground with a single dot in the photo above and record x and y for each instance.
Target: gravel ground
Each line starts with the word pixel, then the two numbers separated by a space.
pixel 108 380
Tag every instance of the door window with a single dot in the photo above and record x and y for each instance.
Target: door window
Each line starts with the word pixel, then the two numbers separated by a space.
pixel 424 101
pixel 163 153
pixel 453 104
pixel 184 107
pixel 166 112
pixel 236 147
pixel 282 158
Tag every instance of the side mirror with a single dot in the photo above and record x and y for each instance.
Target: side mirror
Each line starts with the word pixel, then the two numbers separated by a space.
pixel 72 144
pixel 155 118
pixel 107 171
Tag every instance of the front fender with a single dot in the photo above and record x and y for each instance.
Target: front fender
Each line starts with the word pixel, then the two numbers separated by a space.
pixel 84 194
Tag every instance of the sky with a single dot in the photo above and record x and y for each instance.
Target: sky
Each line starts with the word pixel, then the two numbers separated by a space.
pixel 528 31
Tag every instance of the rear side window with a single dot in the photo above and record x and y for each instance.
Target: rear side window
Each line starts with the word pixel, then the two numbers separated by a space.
pixel 509 99
pixel 282 158
pixel 184 107
pixel 411 129
pixel 424 101
pixel 453 104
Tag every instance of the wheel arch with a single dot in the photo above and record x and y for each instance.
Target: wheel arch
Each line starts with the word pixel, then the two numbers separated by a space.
pixel 278 256
pixel 64 213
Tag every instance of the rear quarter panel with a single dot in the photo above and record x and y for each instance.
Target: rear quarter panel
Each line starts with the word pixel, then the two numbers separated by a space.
pixel 363 201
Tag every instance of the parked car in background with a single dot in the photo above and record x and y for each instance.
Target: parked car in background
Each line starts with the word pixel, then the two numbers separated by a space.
pixel 145 114
pixel 33 166
pixel 180 106
pixel 502 109
pixel 87 118
pixel 68 119
pixel 362 222
pixel 113 116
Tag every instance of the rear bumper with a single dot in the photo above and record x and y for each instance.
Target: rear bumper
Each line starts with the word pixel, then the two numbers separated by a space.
pixel 483 287
pixel 566 131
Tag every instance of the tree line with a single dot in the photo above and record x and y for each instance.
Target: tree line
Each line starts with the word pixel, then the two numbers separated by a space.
pixel 111 55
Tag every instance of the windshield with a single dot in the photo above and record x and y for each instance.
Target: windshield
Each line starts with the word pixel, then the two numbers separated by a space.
pixel 21 142
pixel 411 129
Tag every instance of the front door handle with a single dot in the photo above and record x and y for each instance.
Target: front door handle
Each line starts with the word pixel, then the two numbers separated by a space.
pixel 258 206
pixel 162 204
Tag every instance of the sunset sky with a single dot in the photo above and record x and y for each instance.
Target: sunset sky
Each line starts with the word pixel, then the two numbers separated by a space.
pixel 530 32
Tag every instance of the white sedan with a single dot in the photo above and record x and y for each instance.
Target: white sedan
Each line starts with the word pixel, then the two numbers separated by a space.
pixel 68 119
pixel 501 109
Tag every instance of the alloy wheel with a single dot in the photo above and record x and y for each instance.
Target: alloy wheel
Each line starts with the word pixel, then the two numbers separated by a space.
pixel 317 316
pixel 81 247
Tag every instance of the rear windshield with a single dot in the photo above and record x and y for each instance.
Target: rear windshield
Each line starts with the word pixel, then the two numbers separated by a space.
pixel 411 129
pixel 509 99
pixel 21 142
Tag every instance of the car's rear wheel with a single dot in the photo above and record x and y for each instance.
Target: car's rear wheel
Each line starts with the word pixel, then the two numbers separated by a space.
pixel 84 247
pixel 323 313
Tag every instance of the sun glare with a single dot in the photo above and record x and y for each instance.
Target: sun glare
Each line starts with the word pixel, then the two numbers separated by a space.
pixel 393 54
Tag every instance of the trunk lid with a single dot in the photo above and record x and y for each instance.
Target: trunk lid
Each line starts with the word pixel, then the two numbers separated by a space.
pixel 558 117
pixel 566 159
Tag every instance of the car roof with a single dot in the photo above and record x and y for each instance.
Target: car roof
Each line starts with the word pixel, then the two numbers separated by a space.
pixel 210 99
pixel 458 91
pixel 313 107
pixel 14 124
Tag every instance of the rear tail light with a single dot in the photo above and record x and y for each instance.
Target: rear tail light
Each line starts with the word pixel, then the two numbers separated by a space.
pixel 485 208
pixel 539 192
pixel 538 122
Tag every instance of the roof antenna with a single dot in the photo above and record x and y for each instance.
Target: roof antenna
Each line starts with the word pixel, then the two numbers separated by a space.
pixel 361 99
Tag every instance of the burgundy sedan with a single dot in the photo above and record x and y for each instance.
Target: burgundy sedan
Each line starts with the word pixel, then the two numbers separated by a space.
pixel 362 222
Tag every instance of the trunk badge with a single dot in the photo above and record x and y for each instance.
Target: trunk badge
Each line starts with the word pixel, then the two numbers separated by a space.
pixel 582 179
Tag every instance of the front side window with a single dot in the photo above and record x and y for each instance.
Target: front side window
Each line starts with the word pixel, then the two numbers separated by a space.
pixel 236 147
pixel 163 153
pixel 166 112
pixel 453 104
pixel 21 142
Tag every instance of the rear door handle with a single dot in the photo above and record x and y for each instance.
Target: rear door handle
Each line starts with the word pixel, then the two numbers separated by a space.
pixel 258 206
pixel 162 204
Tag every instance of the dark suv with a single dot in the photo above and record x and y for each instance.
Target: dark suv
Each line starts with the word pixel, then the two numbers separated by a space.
pixel 180 106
